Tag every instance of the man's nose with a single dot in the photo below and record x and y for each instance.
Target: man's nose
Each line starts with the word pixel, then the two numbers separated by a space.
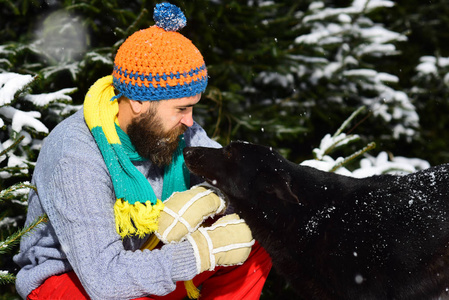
pixel 187 119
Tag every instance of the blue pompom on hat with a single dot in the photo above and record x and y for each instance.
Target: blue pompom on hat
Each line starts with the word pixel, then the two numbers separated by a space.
pixel 169 17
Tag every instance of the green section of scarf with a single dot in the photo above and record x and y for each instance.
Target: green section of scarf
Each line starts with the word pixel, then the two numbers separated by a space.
pixel 176 176
pixel 137 207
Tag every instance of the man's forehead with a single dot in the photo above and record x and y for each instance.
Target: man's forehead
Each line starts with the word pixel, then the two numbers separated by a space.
pixel 182 102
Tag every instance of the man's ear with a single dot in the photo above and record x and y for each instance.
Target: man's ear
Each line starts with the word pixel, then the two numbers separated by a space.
pixel 279 184
pixel 136 106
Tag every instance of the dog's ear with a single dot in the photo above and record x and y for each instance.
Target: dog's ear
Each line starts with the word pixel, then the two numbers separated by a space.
pixel 279 184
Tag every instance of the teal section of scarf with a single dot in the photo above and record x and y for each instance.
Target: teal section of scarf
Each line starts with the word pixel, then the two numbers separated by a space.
pixel 176 175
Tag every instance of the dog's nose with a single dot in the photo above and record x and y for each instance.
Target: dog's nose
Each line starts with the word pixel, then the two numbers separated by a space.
pixel 187 151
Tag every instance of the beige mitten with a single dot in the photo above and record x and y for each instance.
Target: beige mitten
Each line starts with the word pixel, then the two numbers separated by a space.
pixel 227 242
pixel 185 211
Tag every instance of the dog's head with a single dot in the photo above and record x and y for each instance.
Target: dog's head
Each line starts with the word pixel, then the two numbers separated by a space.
pixel 242 170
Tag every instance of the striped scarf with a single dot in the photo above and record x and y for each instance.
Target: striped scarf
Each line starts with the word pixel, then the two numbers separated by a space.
pixel 136 208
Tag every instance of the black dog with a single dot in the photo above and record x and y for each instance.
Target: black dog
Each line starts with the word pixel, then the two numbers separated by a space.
pixel 337 237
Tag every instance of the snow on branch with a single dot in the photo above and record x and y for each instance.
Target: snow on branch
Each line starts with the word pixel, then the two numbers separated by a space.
pixel 23 118
pixel 11 84
pixel 369 165
pixel 358 6
pixel 45 99
pixel 23 130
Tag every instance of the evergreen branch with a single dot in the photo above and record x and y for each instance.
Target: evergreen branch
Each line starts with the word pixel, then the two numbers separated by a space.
pixel 367 148
pixel 13 7
pixel 85 6
pixel 13 170
pixel 6 192
pixel 131 28
pixel 6 277
pixel 216 96
pixel 14 145
pixel 360 122
pixel 139 18
pixel 345 140
pixel 12 240
pixel 348 120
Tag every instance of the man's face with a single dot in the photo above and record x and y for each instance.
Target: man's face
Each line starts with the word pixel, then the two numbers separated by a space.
pixel 155 132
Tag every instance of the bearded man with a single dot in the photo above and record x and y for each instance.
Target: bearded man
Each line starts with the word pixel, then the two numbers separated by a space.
pixel 125 215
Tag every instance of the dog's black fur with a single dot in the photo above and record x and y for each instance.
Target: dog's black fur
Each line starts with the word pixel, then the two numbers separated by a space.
pixel 337 237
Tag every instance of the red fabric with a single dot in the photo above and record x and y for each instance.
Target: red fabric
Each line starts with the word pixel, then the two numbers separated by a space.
pixel 224 283
pixel 65 286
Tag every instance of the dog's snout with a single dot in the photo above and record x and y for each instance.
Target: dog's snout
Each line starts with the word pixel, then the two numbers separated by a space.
pixel 192 155
pixel 187 151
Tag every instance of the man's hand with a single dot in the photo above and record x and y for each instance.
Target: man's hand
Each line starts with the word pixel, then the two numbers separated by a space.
pixel 227 242
pixel 185 211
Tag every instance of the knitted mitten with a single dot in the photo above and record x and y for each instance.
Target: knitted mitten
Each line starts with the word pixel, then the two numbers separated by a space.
pixel 184 212
pixel 227 242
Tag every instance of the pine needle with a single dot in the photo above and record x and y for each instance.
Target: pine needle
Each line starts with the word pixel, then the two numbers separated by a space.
pixel 13 145
pixel 367 148
pixel 8 244
pixel 6 193
pixel 348 120
pixel 6 277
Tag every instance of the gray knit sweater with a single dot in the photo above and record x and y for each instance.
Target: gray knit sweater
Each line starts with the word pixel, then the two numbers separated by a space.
pixel 75 191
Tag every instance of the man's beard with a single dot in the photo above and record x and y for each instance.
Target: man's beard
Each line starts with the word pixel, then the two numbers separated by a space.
pixel 151 142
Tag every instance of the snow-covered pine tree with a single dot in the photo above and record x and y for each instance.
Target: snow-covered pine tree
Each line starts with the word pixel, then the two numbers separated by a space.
pixel 284 72
pixel 333 69
pixel 21 135
pixel 339 52
pixel 430 93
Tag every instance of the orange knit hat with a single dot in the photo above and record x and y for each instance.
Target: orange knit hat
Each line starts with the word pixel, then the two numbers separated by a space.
pixel 159 63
